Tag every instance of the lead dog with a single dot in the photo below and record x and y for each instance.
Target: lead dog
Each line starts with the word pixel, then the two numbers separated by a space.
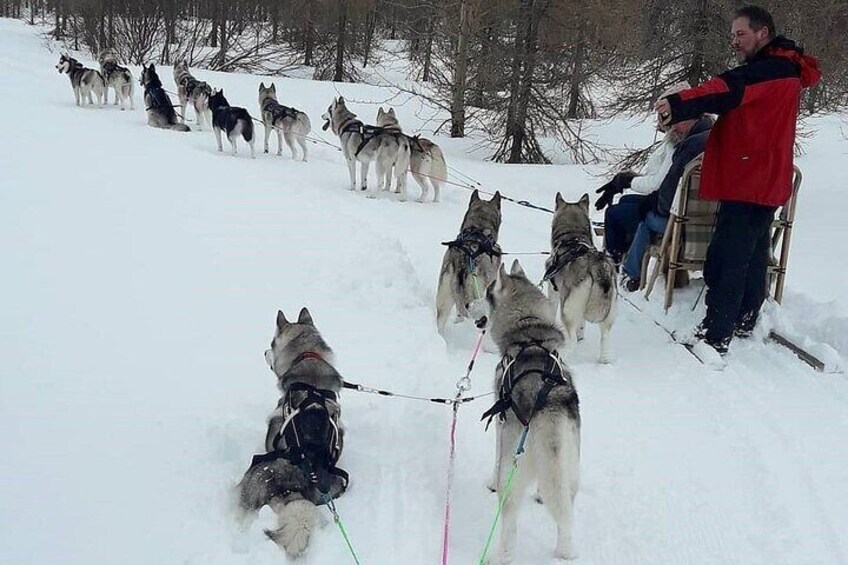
pixel 84 81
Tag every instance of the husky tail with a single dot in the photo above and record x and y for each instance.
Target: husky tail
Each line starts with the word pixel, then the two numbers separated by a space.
pixel 243 124
pixel 554 450
pixel 603 288
pixel 295 523
pixel 439 167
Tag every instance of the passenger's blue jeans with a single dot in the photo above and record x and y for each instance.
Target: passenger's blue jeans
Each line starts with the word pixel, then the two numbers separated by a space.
pixel 620 223
pixel 652 224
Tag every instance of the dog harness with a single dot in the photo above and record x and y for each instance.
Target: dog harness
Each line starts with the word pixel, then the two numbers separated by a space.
pixel 567 249
pixel 315 457
pixel 552 375
pixel 473 242
pixel 278 111
pixel 369 132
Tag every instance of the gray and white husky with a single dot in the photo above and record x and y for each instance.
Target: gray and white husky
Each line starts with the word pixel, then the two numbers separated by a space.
pixel 304 438
pixel 289 123
pixel 189 89
pixel 535 391
pixel 426 161
pixel 117 77
pixel 160 111
pixel 84 81
pixel 581 279
pixel 471 261
pixel 365 144
pixel 233 120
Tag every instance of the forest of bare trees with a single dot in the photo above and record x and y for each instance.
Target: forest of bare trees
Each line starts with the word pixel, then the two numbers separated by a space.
pixel 518 70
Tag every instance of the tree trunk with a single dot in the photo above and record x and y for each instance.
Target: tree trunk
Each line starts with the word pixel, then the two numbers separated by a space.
pixel 310 33
pixel 575 81
pixel 338 75
pixel 428 50
pixel 213 38
pixel 523 67
pixel 370 24
pixel 460 74
pixel 57 33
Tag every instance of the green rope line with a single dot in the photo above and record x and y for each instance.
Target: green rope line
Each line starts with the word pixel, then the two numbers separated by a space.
pixel 502 499
pixel 476 286
pixel 477 294
pixel 338 520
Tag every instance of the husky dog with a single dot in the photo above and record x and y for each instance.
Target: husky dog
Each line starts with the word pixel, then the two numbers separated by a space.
pixel 160 111
pixel 304 439
pixel 471 261
pixel 289 123
pixel 362 143
pixel 233 120
pixel 426 160
pixel 189 89
pixel 84 81
pixel 427 165
pixel 117 77
pixel 536 396
pixel 581 279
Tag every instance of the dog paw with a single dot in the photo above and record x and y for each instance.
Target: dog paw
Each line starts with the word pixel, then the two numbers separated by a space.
pixel 500 559
pixel 566 554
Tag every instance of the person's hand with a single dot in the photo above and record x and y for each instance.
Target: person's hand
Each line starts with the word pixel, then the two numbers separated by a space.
pixel 616 186
pixel 663 109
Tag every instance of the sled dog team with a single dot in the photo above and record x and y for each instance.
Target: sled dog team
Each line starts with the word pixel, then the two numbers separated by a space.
pixel 533 331
pixel 384 144
pixel 536 397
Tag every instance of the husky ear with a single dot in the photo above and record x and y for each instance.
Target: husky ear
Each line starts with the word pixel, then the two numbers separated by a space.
pixel 499 280
pixel 380 112
pixel 497 199
pixel 281 320
pixel 341 100
pixel 560 201
pixel 262 85
pixel 475 196
pixel 305 317
pixel 273 87
pixel 516 269
pixel 392 112
pixel 152 68
pixel 584 201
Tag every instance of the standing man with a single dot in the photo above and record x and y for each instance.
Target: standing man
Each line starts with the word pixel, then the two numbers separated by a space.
pixel 748 165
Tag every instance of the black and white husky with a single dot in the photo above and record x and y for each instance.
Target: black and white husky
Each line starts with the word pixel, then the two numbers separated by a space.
pixel 233 120
pixel 84 81
pixel 117 77
pixel 289 123
pixel 189 89
pixel 537 404
pixel 304 439
pixel 160 111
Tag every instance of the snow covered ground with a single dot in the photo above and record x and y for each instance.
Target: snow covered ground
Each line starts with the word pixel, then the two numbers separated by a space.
pixel 142 272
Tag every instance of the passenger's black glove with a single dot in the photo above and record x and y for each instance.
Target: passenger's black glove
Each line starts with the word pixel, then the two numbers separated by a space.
pixel 616 186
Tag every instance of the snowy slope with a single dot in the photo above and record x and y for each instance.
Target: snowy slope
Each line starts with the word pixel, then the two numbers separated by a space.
pixel 142 274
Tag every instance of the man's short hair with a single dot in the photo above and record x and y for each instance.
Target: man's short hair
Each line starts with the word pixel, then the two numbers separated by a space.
pixel 757 17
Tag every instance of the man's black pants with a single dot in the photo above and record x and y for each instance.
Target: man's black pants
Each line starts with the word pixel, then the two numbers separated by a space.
pixel 736 268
